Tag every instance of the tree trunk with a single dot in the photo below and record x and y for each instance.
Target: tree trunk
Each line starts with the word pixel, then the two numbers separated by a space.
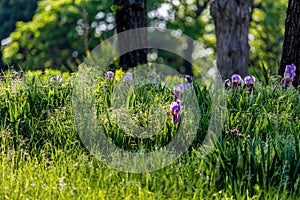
pixel 131 14
pixel 231 18
pixel 291 44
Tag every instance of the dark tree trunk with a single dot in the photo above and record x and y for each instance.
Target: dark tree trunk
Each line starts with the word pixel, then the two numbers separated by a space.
pixel 131 14
pixel 231 18
pixel 291 44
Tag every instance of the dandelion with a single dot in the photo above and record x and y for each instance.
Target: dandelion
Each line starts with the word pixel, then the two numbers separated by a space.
pixel 236 81
pixel 110 75
pixel 249 82
pixel 175 111
pixel 177 91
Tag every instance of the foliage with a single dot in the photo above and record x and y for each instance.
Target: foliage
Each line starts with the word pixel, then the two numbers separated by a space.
pixel 59 36
pixel 42 157
pixel 23 11
pixel 266 34
pixel 56 36
pixel 184 17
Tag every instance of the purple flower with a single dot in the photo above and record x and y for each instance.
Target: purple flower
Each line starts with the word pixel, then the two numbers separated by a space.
pixel 128 76
pixel 177 92
pixel 187 86
pixel 127 79
pixel 235 78
pixel 249 81
pixel 288 78
pixel 57 78
pixel 289 75
pixel 236 133
pixel 236 81
pixel 175 111
pixel 289 68
pixel 110 75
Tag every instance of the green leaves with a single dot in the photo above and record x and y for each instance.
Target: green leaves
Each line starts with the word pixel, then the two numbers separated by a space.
pixel 53 39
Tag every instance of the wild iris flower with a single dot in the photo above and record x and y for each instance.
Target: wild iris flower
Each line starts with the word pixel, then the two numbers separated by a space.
pixel 57 78
pixel 288 78
pixel 177 92
pixel 236 81
pixel 249 81
pixel 175 111
pixel 289 75
pixel 110 75
pixel 127 79
pixel 291 67
pixel 128 76
pixel 236 133
pixel 187 86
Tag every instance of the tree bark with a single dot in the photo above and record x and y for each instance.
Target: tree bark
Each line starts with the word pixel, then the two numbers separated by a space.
pixel 231 18
pixel 131 14
pixel 291 44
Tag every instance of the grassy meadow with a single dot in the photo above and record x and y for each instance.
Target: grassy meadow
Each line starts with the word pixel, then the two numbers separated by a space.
pixel 42 156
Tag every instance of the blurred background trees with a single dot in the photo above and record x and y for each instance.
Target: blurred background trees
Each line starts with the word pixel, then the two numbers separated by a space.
pixel 61 33
pixel 12 11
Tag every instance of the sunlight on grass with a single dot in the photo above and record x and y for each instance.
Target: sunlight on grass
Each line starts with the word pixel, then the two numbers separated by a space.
pixel 42 156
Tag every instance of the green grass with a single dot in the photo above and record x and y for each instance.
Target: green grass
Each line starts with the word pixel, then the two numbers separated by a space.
pixel 42 156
